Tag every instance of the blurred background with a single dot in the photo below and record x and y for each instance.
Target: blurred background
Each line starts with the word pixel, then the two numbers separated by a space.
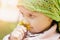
pixel 9 15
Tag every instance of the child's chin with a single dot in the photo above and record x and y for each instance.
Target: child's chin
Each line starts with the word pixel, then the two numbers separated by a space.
pixel 35 32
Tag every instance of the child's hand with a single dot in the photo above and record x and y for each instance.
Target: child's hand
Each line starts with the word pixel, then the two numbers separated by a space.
pixel 18 33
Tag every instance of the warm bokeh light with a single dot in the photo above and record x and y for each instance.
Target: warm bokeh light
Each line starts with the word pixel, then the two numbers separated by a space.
pixel 9 2
pixel 7 7
pixel 9 14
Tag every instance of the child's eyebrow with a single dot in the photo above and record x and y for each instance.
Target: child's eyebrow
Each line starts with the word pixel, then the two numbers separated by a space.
pixel 24 10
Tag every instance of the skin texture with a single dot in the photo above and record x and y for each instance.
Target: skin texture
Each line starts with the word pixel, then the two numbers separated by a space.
pixel 38 21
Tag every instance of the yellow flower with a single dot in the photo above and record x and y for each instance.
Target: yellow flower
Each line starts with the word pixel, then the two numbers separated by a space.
pixel 27 25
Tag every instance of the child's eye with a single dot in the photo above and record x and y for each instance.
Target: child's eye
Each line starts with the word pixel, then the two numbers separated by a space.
pixel 31 15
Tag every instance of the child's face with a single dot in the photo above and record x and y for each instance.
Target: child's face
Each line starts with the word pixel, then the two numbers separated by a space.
pixel 38 21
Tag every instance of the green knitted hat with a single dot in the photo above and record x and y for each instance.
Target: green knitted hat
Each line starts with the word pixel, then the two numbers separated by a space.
pixel 50 8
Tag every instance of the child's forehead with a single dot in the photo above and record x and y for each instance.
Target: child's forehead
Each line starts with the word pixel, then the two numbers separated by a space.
pixel 26 11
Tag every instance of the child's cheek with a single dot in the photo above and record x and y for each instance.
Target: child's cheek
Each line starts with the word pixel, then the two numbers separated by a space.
pixel 38 24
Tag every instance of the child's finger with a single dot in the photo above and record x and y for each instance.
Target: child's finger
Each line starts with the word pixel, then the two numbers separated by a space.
pixel 18 33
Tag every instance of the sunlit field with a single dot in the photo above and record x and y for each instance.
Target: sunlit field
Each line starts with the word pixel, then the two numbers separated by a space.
pixel 8 16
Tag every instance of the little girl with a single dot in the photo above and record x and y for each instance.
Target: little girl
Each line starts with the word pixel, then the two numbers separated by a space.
pixel 37 21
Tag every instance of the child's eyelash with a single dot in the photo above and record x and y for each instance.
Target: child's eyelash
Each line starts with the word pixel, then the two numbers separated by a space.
pixel 31 15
